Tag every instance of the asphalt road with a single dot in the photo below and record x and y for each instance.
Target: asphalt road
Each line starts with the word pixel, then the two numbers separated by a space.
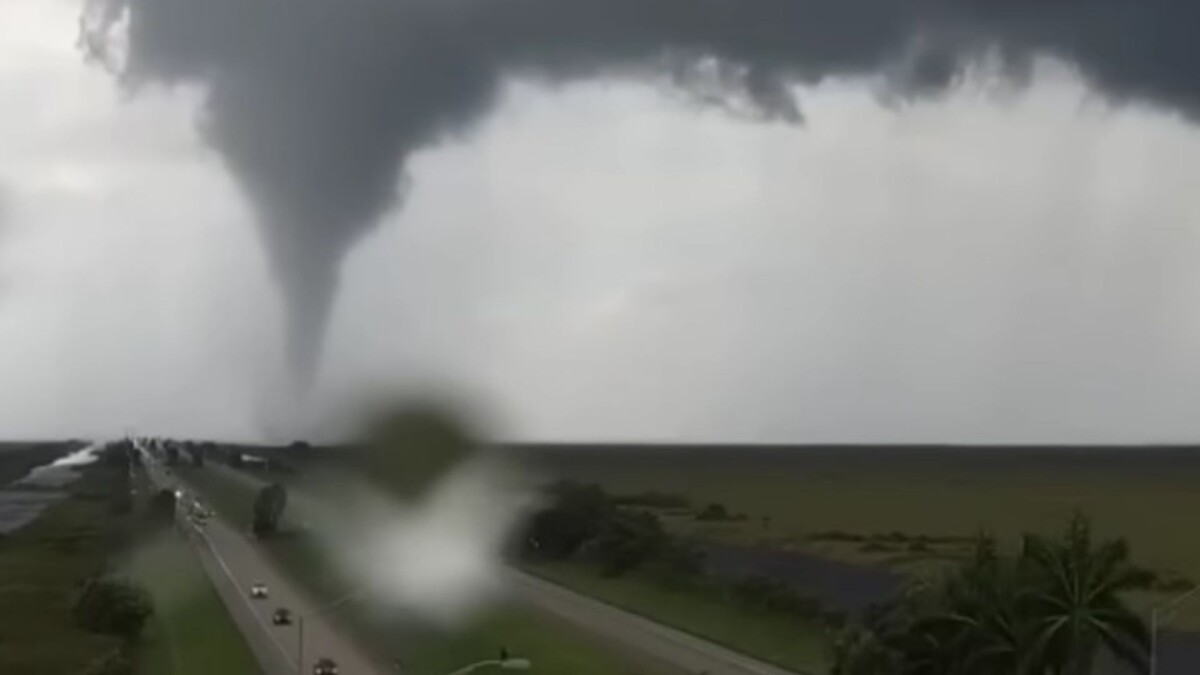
pixel 234 564
pixel 240 560
pixel 685 652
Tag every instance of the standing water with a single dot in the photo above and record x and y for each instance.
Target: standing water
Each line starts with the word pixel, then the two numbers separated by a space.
pixel 24 499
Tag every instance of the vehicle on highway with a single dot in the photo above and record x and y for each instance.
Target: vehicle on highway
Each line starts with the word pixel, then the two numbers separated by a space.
pixel 325 666
pixel 258 590
pixel 282 617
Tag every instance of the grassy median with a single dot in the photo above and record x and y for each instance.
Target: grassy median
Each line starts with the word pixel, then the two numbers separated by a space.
pixel 191 632
pixel 774 637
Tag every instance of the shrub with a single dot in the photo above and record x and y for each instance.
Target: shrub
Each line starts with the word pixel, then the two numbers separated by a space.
pixel 113 607
pixel 713 512
pixel 772 595
pixel 576 514
pixel 268 508
pixel 627 540
pixel 161 508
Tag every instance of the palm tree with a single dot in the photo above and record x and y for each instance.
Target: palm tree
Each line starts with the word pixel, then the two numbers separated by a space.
pixel 1047 612
pixel 1074 601
pixel 984 604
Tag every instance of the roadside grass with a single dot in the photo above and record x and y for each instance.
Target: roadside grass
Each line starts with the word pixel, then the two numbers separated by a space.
pixel 865 496
pixel 41 566
pixel 191 632
pixel 774 637
pixel 551 647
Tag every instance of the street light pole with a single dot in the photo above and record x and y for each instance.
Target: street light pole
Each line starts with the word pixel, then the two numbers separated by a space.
pixel 1164 611
pixel 300 646
pixel 316 612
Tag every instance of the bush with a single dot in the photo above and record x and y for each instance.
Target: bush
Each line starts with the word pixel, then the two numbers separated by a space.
pixel 858 651
pixel 268 509
pixel 775 596
pixel 713 512
pixel 161 508
pixel 626 540
pixel 113 607
pixel 576 514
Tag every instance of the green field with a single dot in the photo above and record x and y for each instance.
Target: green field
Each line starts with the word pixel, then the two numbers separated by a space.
pixel 40 567
pixel 1150 504
pixel 191 632
pixel 551 647
pixel 779 639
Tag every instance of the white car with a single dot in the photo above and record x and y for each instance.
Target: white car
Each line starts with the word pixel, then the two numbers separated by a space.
pixel 258 590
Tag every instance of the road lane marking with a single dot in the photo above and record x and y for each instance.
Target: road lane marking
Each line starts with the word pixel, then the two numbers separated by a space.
pixel 614 615
pixel 242 594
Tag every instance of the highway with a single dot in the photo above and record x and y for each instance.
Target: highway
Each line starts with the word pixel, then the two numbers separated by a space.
pixel 680 650
pixel 235 562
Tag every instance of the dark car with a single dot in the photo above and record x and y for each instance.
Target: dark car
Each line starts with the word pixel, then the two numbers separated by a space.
pixel 325 666
pixel 282 617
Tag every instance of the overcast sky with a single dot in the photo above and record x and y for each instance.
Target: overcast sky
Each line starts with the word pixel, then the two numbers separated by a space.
pixel 605 261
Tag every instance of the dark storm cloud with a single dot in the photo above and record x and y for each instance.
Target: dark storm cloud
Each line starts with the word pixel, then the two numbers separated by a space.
pixel 316 104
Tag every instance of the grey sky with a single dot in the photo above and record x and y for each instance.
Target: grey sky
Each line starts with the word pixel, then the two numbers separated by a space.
pixel 605 260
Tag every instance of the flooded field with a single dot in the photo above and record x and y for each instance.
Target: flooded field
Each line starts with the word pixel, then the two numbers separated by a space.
pixel 25 498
